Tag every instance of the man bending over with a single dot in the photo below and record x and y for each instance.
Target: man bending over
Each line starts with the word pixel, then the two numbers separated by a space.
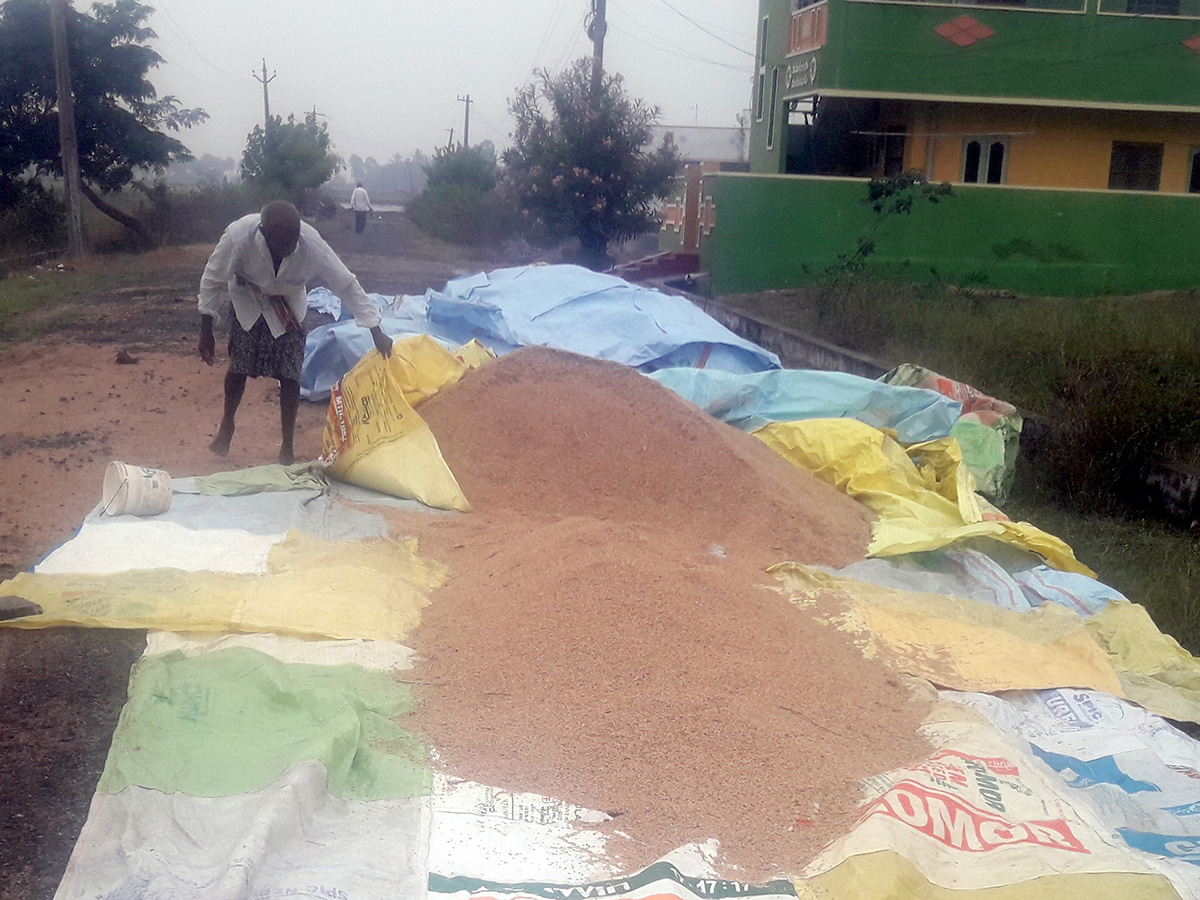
pixel 261 268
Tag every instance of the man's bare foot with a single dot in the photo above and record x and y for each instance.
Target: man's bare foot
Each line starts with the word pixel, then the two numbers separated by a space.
pixel 220 444
pixel 286 456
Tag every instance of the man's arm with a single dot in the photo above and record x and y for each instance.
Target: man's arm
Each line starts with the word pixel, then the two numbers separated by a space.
pixel 345 285
pixel 213 298
pixel 208 343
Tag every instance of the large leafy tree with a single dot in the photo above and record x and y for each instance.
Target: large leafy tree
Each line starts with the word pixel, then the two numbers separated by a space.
pixel 121 122
pixel 582 162
pixel 290 159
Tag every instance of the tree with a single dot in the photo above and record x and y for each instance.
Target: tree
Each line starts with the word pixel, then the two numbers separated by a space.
pixel 120 119
pixel 394 178
pixel 580 163
pixel 291 159
pixel 464 201
pixel 469 167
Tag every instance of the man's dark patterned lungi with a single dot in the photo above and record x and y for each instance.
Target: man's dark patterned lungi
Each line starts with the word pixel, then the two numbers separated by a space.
pixel 255 353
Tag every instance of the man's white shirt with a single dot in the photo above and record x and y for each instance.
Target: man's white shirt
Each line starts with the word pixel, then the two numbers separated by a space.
pixel 240 272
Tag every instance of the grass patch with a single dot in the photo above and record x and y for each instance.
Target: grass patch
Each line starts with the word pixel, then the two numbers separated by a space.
pixel 1148 561
pixel 1021 349
pixel 35 301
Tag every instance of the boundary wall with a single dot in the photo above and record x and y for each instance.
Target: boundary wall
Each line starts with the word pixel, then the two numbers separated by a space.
pixel 777 231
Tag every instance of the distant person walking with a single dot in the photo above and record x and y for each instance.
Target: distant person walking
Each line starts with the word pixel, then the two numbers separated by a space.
pixel 260 270
pixel 361 204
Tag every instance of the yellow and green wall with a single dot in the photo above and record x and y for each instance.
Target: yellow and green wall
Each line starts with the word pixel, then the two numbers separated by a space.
pixel 1058 80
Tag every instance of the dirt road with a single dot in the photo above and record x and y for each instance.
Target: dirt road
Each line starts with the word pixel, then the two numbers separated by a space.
pixel 120 380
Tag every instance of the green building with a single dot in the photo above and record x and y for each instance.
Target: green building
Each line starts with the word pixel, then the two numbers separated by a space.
pixel 1070 130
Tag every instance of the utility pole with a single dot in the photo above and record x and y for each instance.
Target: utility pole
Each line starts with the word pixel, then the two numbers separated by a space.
pixel 266 102
pixel 450 143
pixel 68 146
pixel 466 121
pixel 597 27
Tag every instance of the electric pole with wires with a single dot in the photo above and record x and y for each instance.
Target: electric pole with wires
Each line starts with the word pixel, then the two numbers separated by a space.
pixel 264 81
pixel 597 27
pixel 466 141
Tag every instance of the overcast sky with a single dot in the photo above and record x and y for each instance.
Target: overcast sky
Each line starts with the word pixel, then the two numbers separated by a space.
pixel 386 74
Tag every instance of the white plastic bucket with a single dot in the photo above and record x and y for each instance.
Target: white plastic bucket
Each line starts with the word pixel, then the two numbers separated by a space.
pixel 135 490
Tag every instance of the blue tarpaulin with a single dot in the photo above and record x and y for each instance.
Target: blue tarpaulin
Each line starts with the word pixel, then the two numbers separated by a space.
pixel 565 307
pixel 751 400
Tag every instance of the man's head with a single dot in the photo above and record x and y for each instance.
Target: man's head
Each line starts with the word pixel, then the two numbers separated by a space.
pixel 360 184
pixel 280 223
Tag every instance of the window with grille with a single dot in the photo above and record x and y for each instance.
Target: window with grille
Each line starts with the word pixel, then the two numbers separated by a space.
pixel 1135 166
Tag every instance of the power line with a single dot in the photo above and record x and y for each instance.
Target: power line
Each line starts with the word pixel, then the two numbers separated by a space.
pixel 551 24
pixel 711 34
pixel 570 51
pixel 682 54
pixel 173 24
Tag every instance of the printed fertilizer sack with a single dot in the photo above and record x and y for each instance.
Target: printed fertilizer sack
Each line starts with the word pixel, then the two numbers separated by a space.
pixel 977 814
pixel 1136 772
pixel 374 438
pixel 660 881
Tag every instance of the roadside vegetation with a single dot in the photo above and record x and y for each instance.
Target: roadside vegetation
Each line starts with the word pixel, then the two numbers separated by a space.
pixel 1116 380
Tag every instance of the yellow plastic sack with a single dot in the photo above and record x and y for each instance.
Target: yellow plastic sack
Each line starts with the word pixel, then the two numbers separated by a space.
pixel 373 437
pixel 371 589
pixel 914 510
pixel 473 353
pixel 886 875
pixel 956 643
pixel 1154 670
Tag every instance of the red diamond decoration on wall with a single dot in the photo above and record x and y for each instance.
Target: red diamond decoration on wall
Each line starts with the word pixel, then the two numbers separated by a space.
pixel 964 31
pixel 1193 43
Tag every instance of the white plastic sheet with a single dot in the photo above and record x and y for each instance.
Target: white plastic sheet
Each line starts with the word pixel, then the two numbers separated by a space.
pixel 125 544
pixel 288 839
pixel 979 813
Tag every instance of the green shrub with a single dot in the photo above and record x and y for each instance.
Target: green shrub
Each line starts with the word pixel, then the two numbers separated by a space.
pixel 195 215
pixel 34 219
pixel 1112 414
pixel 463 214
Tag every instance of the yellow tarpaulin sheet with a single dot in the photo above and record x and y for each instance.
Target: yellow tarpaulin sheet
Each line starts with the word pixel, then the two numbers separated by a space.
pixel 962 644
pixel 1154 670
pixel 889 876
pixel 919 509
pixel 373 437
pixel 372 589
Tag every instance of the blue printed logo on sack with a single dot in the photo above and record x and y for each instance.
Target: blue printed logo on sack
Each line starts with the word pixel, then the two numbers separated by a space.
pixel 1176 846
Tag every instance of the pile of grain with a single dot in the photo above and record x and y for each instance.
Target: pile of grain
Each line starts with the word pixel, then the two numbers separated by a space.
pixel 608 635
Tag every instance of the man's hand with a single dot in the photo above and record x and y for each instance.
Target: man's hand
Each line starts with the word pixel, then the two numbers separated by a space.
pixel 383 343
pixel 208 344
